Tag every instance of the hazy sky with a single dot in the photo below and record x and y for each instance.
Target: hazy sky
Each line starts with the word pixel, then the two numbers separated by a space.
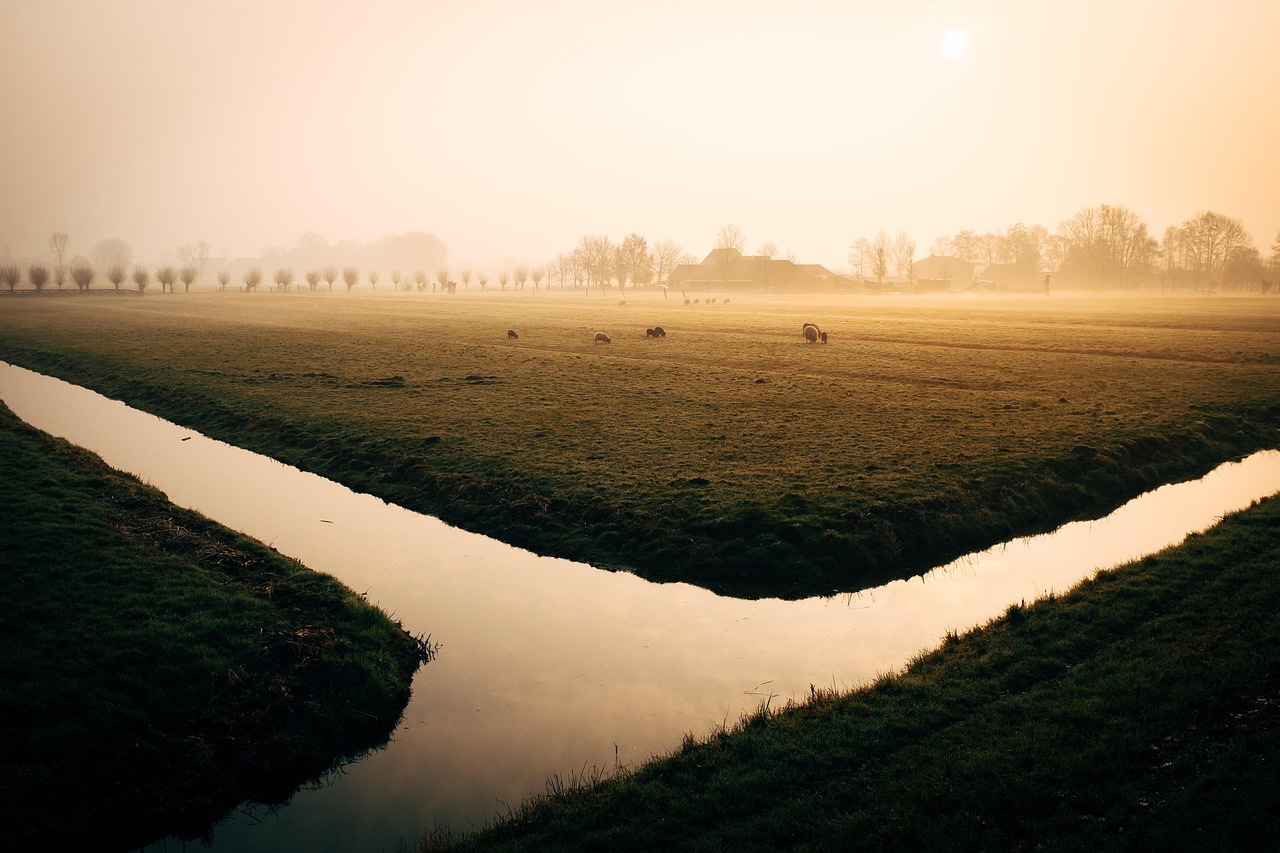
pixel 511 129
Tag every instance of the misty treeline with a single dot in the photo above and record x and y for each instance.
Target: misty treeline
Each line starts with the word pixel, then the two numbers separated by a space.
pixel 597 261
pixel 1104 245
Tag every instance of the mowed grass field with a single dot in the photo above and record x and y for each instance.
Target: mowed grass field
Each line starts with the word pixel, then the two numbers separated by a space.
pixel 729 454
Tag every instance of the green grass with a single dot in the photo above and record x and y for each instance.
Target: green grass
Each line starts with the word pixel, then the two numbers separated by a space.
pixel 1141 711
pixel 158 669
pixel 730 454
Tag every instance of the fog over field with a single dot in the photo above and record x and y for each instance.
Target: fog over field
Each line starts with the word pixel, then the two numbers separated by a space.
pixel 508 131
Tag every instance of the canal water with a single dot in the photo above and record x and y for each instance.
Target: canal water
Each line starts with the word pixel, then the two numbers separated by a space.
pixel 552 667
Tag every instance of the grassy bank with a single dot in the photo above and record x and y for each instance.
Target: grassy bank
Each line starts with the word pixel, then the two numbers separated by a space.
pixel 1141 711
pixel 159 669
pixel 729 454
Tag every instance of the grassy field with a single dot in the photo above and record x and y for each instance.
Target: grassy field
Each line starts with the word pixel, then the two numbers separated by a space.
pixel 158 669
pixel 1141 711
pixel 730 454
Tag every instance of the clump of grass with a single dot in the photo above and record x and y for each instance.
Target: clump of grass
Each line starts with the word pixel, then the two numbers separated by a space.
pixel 159 669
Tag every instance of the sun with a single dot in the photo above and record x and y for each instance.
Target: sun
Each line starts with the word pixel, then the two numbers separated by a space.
pixel 955 44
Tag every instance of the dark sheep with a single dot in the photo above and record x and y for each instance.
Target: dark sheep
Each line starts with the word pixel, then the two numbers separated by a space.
pixel 511 334
pixel 662 333
pixel 824 337
pixel 651 333
pixel 687 300
pixel 811 334
pixel 602 338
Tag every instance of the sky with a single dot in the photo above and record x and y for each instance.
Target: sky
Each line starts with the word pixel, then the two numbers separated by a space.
pixel 511 129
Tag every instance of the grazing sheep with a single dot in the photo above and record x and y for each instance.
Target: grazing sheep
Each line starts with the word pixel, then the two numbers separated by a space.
pixel 811 334
pixel 824 337
pixel 511 334
pixel 686 300
pixel 662 333
pixel 623 302
pixel 806 326
pixel 651 333
pixel 696 301
pixel 602 338
pixel 726 302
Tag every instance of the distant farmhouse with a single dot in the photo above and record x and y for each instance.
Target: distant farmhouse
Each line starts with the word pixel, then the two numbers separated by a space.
pixel 1011 276
pixel 729 269
pixel 942 273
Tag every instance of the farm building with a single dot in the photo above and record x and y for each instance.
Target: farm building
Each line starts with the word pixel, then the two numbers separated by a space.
pixel 729 269
pixel 942 273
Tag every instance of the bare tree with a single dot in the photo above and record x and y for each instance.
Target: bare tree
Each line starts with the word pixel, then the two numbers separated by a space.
pixel 420 278
pixel 313 279
pixel 115 275
pixel 520 277
pixel 351 277
pixel 941 246
pixel 395 279
pixel 166 275
pixel 768 249
pixel 731 237
pixel 58 245
pixel 224 278
pixel 503 278
pixel 194 255
pixel 635 260
pixel 538 274
pixel 442 278
pixel 112 252
pixel 141 277
pixel 666 255
pixel 482 280
pixel 284 278
pixel 82 274
pixel 330 274
pixel 878 247
pixel 38 275
pixel 1106 244
pixel 373 279
pixel 903 250
pixel 10 274
pixel 466 279
pixel 1212 239
pixel 188 274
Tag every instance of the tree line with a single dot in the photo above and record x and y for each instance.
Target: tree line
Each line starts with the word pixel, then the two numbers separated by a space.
pixel 1106 245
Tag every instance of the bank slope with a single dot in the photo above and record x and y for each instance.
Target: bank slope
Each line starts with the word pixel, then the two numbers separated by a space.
pixel 158 669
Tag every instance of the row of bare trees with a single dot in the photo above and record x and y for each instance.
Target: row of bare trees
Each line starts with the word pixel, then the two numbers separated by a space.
pixel 1101 245
pixel 597 261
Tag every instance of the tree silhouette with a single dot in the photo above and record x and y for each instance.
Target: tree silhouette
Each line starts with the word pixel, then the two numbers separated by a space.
pixel 313 279
pixel 330 274
pixel 373 279
pixel 482 280
pixel 38 275
pixel 466 275
pixel 223 278
pixel 115 275
pixel 58 245
pixel 141 277
pixel 82 275
pixel 284 278
pixel 10 274
pixel 188 274
pixel 442 278
pixel 251 279
pixel 351 276
pixel 166 275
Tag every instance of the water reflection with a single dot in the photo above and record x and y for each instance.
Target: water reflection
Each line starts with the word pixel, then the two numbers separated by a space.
pixel 550 666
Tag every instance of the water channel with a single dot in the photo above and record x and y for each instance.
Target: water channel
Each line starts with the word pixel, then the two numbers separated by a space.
pixel 552 667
